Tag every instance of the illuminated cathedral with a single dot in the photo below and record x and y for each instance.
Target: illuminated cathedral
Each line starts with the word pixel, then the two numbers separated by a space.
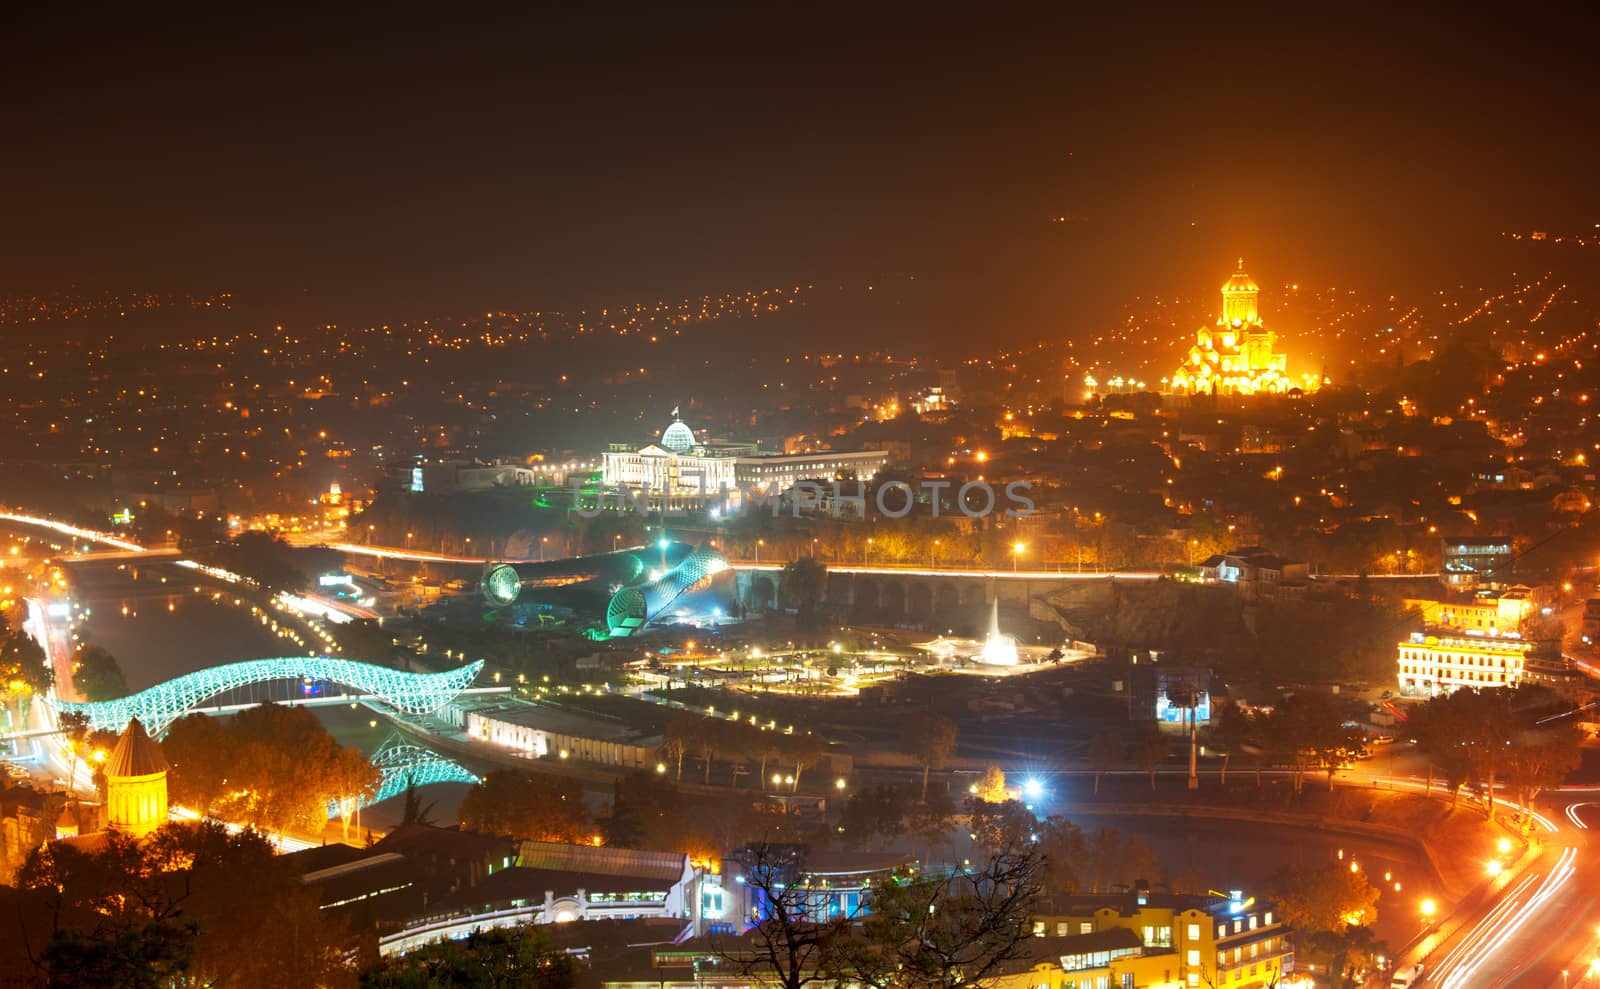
pixel 1238 356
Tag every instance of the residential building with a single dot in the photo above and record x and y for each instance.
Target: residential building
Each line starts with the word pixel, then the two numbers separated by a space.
pixel 1436 664
pixel 1468 562
pixel 1140 938
pixel 1482 614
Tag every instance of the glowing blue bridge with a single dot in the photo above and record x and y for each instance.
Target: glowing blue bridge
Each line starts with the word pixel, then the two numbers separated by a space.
pixel 159 706
pixel 401 764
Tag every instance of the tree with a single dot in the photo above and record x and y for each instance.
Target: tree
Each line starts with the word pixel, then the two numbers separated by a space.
pixel 931 740
pixel 170 904
pixel 948 932
pixel 1482 734
pixel 992 788
pixel 1106 752
pixel 74 727
pixel 151 956
pixel 1312 730
pixel 1065 849
pixel 202 753
pixel 415 812
pixel 932 819
pixel 1442 734
pixel 880 812
pixel 1110 857
pixel 804 751
pixel 97 675
pixel 789 947
pixel 21 659
pixel 1150 750
pixel 1541 758
pixel 1234 732
pixel 800 587
pixel 1325 898
pixel 271 765
pixel 681 734
pixel 528 805
pixel 1346 953
pixel 995 826
pixel 917 932
pixel 484 959
pixel 763 747
pixel 710 736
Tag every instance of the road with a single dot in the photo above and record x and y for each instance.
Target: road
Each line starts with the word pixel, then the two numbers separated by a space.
pixel 1534 926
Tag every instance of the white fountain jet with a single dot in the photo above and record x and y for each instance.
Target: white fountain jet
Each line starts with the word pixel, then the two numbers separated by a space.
pixel 998 649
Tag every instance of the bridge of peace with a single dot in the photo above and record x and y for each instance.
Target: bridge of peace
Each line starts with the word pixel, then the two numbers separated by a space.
pixel 400 763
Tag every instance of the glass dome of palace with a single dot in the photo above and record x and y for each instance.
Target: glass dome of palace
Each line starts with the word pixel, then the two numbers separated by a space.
pixel 678 438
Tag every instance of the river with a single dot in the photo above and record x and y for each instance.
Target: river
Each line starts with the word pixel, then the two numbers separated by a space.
pixel 160 622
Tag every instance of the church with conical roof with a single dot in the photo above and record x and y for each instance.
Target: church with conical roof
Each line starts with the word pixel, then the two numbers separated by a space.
pixel 136 783
pixel 136 794
pixel 1239 355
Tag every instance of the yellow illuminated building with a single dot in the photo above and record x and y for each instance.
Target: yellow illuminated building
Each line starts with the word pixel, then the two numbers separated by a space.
pixel 1238 356
pixel 1144 939
pixel 136 783
pixel 1438 664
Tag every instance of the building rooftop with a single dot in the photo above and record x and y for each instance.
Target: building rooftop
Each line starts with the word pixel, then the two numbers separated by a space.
pixel 561 721
pixel 136 754
pixel 631 863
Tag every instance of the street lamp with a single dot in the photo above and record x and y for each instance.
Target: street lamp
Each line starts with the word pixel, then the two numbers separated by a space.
pixel 1016 551
pixel 931 550
pixel 543 541
pixel 864 550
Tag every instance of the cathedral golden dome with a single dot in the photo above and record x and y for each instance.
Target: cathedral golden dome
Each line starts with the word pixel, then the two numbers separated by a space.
pixel 1239 282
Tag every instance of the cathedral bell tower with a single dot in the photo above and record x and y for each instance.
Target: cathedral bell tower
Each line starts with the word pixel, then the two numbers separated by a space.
pixel 1239 299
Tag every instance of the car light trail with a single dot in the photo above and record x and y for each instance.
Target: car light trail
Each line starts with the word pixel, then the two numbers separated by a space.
pixel 1512 922
pixel 1142 575
pixel 385 553
pixel 73 531
pixel 1485 925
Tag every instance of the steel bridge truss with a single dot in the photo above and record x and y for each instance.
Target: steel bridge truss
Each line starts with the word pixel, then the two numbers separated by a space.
pixel 159 706
pixel 401 764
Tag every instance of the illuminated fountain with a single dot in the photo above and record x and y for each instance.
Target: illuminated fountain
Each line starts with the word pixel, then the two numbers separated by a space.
pixel 998 649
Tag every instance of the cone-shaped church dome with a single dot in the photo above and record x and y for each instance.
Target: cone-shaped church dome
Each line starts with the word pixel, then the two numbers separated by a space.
pixel 136 754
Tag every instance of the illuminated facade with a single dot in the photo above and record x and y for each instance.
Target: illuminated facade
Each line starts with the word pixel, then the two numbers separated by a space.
pixel 136 783
pixel 1141 938
pixel 1238 356
pixel 1482 615
pixel 677 468
pixel 681 471
pixel 1435 664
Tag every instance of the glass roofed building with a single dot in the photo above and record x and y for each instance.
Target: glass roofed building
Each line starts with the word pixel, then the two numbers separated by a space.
pixel 681 469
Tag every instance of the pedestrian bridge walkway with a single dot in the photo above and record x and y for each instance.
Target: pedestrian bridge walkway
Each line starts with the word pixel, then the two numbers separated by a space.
pixel 159 706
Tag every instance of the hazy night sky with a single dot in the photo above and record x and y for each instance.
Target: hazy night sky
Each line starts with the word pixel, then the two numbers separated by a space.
pixel 449 159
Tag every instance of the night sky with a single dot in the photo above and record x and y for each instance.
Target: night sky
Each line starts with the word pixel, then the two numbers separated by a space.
pixel 384 163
